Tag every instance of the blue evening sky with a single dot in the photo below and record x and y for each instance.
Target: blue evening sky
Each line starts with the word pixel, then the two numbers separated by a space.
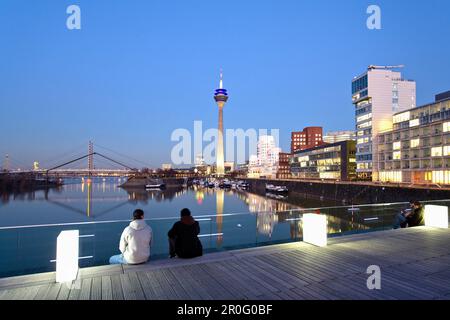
pixel 137 70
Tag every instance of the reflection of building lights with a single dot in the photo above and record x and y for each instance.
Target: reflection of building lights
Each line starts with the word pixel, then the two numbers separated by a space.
pixel 199 196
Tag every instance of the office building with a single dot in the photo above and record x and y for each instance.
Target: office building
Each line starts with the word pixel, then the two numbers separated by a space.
pixel 310 137
pixel 284 168
pixel 377 95
pixel 339 136
pixel 265 163
pixel 336 161
pixel 417 149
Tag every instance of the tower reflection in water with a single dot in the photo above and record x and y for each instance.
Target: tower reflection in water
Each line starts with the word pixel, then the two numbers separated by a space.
pixel 220 198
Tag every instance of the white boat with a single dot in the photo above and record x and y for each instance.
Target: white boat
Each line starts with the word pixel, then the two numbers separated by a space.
pixel 276 189
pixel 155 184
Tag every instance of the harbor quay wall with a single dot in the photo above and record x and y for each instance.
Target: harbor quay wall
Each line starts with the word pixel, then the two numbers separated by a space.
pixel 352 192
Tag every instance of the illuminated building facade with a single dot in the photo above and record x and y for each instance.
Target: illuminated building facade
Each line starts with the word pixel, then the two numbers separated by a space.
pixel 338 136
pixel 377 95
pixel 310 137
pixel 417 149
pixel 336 161
pixel 265 163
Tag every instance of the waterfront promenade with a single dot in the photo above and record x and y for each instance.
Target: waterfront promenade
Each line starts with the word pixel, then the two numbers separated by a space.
pixel 414 265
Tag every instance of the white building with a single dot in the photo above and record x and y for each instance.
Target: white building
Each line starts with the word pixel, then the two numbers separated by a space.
pixel 377 95
pixel 339 136
pixel 265 163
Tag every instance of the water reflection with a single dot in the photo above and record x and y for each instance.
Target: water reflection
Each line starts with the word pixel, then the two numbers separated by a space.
pixel 99 199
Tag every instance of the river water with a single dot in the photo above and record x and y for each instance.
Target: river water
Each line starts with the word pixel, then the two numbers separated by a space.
pixel 100 210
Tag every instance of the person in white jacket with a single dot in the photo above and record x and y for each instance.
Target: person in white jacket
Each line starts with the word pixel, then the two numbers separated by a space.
pixel 135 241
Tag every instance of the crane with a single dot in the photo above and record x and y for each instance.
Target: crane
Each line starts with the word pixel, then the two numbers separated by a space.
pixel 372 67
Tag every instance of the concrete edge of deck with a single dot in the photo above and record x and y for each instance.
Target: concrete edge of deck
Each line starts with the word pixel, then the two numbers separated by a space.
pixel 108 270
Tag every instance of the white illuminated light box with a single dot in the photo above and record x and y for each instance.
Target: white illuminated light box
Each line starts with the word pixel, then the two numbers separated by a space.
pixel 315 229
pixel 436 216
pixel 67 250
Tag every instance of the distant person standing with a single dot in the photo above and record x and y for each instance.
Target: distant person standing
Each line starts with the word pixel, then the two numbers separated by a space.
pixel 183 237
pixel 135 241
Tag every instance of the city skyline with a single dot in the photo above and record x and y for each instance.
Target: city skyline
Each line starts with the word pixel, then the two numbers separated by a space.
pixel 114 82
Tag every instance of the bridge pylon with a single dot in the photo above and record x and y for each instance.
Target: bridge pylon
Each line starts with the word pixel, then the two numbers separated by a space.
pixel 91 158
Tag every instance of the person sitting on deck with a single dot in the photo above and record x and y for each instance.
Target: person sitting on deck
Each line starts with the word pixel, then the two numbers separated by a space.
pixel 417 216
pixel 135 241
pixel 412 217
pixel 183 237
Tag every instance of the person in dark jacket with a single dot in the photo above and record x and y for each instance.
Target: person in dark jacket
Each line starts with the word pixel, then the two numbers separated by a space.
pixel 417 216
pixel 183 237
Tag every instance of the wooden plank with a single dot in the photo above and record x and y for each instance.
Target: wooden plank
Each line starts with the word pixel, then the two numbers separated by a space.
pixel 156 286
pixel 96 288
pixel 234 289
pixel 30 293
pixel 149 292
pixel 64 292
pixel 75 291
pixel 136 285
pixel 215 289
pixel 106 288
pixel 192 283
pixel 191 292
pixel 52 294
pixel 116 285
pixel 176 285
pixel 85 292
pixel 42 292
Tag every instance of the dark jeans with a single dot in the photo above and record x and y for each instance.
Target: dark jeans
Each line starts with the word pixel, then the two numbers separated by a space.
pixel 400 221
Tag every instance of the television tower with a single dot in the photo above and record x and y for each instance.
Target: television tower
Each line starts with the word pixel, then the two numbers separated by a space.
pixel 221 97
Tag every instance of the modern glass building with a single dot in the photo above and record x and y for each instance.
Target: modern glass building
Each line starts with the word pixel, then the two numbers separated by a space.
pixel 377 95
pixel 334 161
pixel 417 149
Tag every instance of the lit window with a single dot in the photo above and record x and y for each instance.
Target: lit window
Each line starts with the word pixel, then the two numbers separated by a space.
pixel 364 117
pixel 446 151
pixel 436 152
pixel 414 123
pixel 397 145
pixel 446 127
pixel 415 143
pixel 397 155
pixel 405 116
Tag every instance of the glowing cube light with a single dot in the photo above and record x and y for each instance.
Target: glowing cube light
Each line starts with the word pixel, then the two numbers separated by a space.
pixel 436 216
pixel 315 229
pixel 67 249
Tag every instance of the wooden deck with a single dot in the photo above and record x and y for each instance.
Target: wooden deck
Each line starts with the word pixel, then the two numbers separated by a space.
pixel 415 264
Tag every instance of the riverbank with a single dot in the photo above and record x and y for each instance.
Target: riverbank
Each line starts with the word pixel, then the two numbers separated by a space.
pixel 352 192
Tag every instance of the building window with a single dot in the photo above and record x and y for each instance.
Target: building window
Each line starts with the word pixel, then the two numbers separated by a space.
pixel 415 143
pixel 397 145
pixel 442 177
pixel 390 176
pixel 397 155
pixel 446 127
pixel 446 151
pixel 436 152
pixel 405 116
pixel 414 123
